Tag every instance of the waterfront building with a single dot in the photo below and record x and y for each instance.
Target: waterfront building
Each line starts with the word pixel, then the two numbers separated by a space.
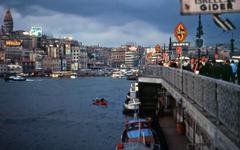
pixel 28 61
pixel 13 54
pixel 131 57
pixel 2 55
pixel 75 53
pixel 14 69
pixel 3 68
pixel 117 57
pixel 83 58
pixel 51 64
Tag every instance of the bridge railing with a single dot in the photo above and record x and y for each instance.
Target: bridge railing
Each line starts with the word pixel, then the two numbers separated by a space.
pixel 219 98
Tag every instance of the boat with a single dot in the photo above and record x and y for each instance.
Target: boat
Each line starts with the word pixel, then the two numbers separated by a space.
pixel 14 78
pixel 73 76
pixel 117 74
pixel 132 146
pixel 99 101
pixel 140 131
pixel 131 104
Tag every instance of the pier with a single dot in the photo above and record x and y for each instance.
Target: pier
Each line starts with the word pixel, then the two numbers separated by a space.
pixel 205 111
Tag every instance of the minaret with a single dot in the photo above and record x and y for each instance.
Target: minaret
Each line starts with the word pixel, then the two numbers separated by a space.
pixel 8 22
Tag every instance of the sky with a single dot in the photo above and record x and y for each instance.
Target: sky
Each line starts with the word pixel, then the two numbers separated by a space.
pixel 113 23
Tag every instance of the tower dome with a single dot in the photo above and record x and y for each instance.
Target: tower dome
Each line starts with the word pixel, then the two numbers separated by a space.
pixel 8 22
pixel 8 16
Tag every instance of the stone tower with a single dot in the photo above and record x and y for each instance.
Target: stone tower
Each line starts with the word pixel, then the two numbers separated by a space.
pixel 8 22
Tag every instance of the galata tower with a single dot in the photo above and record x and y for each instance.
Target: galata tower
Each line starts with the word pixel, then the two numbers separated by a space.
pixel 8 22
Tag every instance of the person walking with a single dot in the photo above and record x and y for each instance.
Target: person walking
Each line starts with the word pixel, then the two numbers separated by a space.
pixel 234 70
pixel 226 71
pixel 215 70
pixel 238 73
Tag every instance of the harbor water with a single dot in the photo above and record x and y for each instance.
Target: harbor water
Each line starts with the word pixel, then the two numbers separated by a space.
pixel 58 114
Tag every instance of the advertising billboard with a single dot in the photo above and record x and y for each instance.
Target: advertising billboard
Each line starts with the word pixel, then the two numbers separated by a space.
pixel 36 31
pixel 13 43
pixel 191 7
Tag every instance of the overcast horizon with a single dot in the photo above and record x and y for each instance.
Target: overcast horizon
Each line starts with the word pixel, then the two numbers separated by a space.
pixel 113 23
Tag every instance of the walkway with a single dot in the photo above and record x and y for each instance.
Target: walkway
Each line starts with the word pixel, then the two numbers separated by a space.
pixel 174 140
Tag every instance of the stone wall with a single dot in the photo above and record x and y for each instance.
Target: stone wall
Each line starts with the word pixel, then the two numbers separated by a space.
pixel 220 99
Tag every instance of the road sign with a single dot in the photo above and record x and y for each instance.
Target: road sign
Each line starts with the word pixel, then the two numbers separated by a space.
pixel 215 56
pixel 189 7
pixel 180 32
pixel 176 44
pixel 179 50
pixel 157 48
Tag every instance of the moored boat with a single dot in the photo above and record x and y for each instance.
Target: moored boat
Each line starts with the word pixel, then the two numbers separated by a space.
pixel 131 104
pixel 140 131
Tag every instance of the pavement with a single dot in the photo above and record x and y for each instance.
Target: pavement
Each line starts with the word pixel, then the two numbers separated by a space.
pixel 174 140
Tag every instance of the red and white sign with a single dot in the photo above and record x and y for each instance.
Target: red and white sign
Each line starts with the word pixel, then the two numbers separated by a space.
pixel 216 56
pixel 164 55
pixel 178 50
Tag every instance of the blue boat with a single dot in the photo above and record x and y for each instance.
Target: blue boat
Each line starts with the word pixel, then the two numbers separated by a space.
pixel 139 131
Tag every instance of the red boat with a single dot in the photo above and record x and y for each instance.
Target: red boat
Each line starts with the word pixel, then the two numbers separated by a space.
pixel 100 102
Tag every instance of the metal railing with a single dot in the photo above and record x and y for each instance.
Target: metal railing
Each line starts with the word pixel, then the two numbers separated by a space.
pixel 219 98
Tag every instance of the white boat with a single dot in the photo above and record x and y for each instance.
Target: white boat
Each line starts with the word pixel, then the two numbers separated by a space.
pixel 117 74
pixel 15 78
pixel 132 102
pixel 73 76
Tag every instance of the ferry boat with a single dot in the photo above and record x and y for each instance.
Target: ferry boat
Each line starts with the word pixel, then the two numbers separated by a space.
pixel 14 78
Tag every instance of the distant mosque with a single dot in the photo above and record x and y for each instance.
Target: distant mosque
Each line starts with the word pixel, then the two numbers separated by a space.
pixel 7 27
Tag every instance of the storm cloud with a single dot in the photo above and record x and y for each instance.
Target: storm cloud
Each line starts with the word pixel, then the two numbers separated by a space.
pixel 112 22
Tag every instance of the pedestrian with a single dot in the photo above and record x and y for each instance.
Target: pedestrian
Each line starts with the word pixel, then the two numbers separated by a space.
pixel 226 71
pixel 190 66
pixel 238 72
pixel 234 70
pixel 205 70
pixel 215 70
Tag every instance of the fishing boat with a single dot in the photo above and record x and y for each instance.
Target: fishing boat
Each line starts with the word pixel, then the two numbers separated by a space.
pixel 99 101
pixel 132 146
pixel 139 131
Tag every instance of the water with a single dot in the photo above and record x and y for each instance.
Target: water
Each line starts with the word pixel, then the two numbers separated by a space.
pixel 57 114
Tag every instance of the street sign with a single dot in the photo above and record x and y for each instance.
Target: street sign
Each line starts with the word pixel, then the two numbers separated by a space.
pixel 180 32
pixel 179 50
pixel 176 44
pixel 189 7
pixel 157 48
pixel 215 56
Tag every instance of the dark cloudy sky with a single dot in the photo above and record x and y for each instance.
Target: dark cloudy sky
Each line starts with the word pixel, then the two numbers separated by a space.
pixel 113 22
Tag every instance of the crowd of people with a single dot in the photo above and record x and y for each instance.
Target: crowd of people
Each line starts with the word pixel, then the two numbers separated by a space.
pixel 227 71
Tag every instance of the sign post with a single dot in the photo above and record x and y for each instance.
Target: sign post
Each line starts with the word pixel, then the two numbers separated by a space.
pixel 180 34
